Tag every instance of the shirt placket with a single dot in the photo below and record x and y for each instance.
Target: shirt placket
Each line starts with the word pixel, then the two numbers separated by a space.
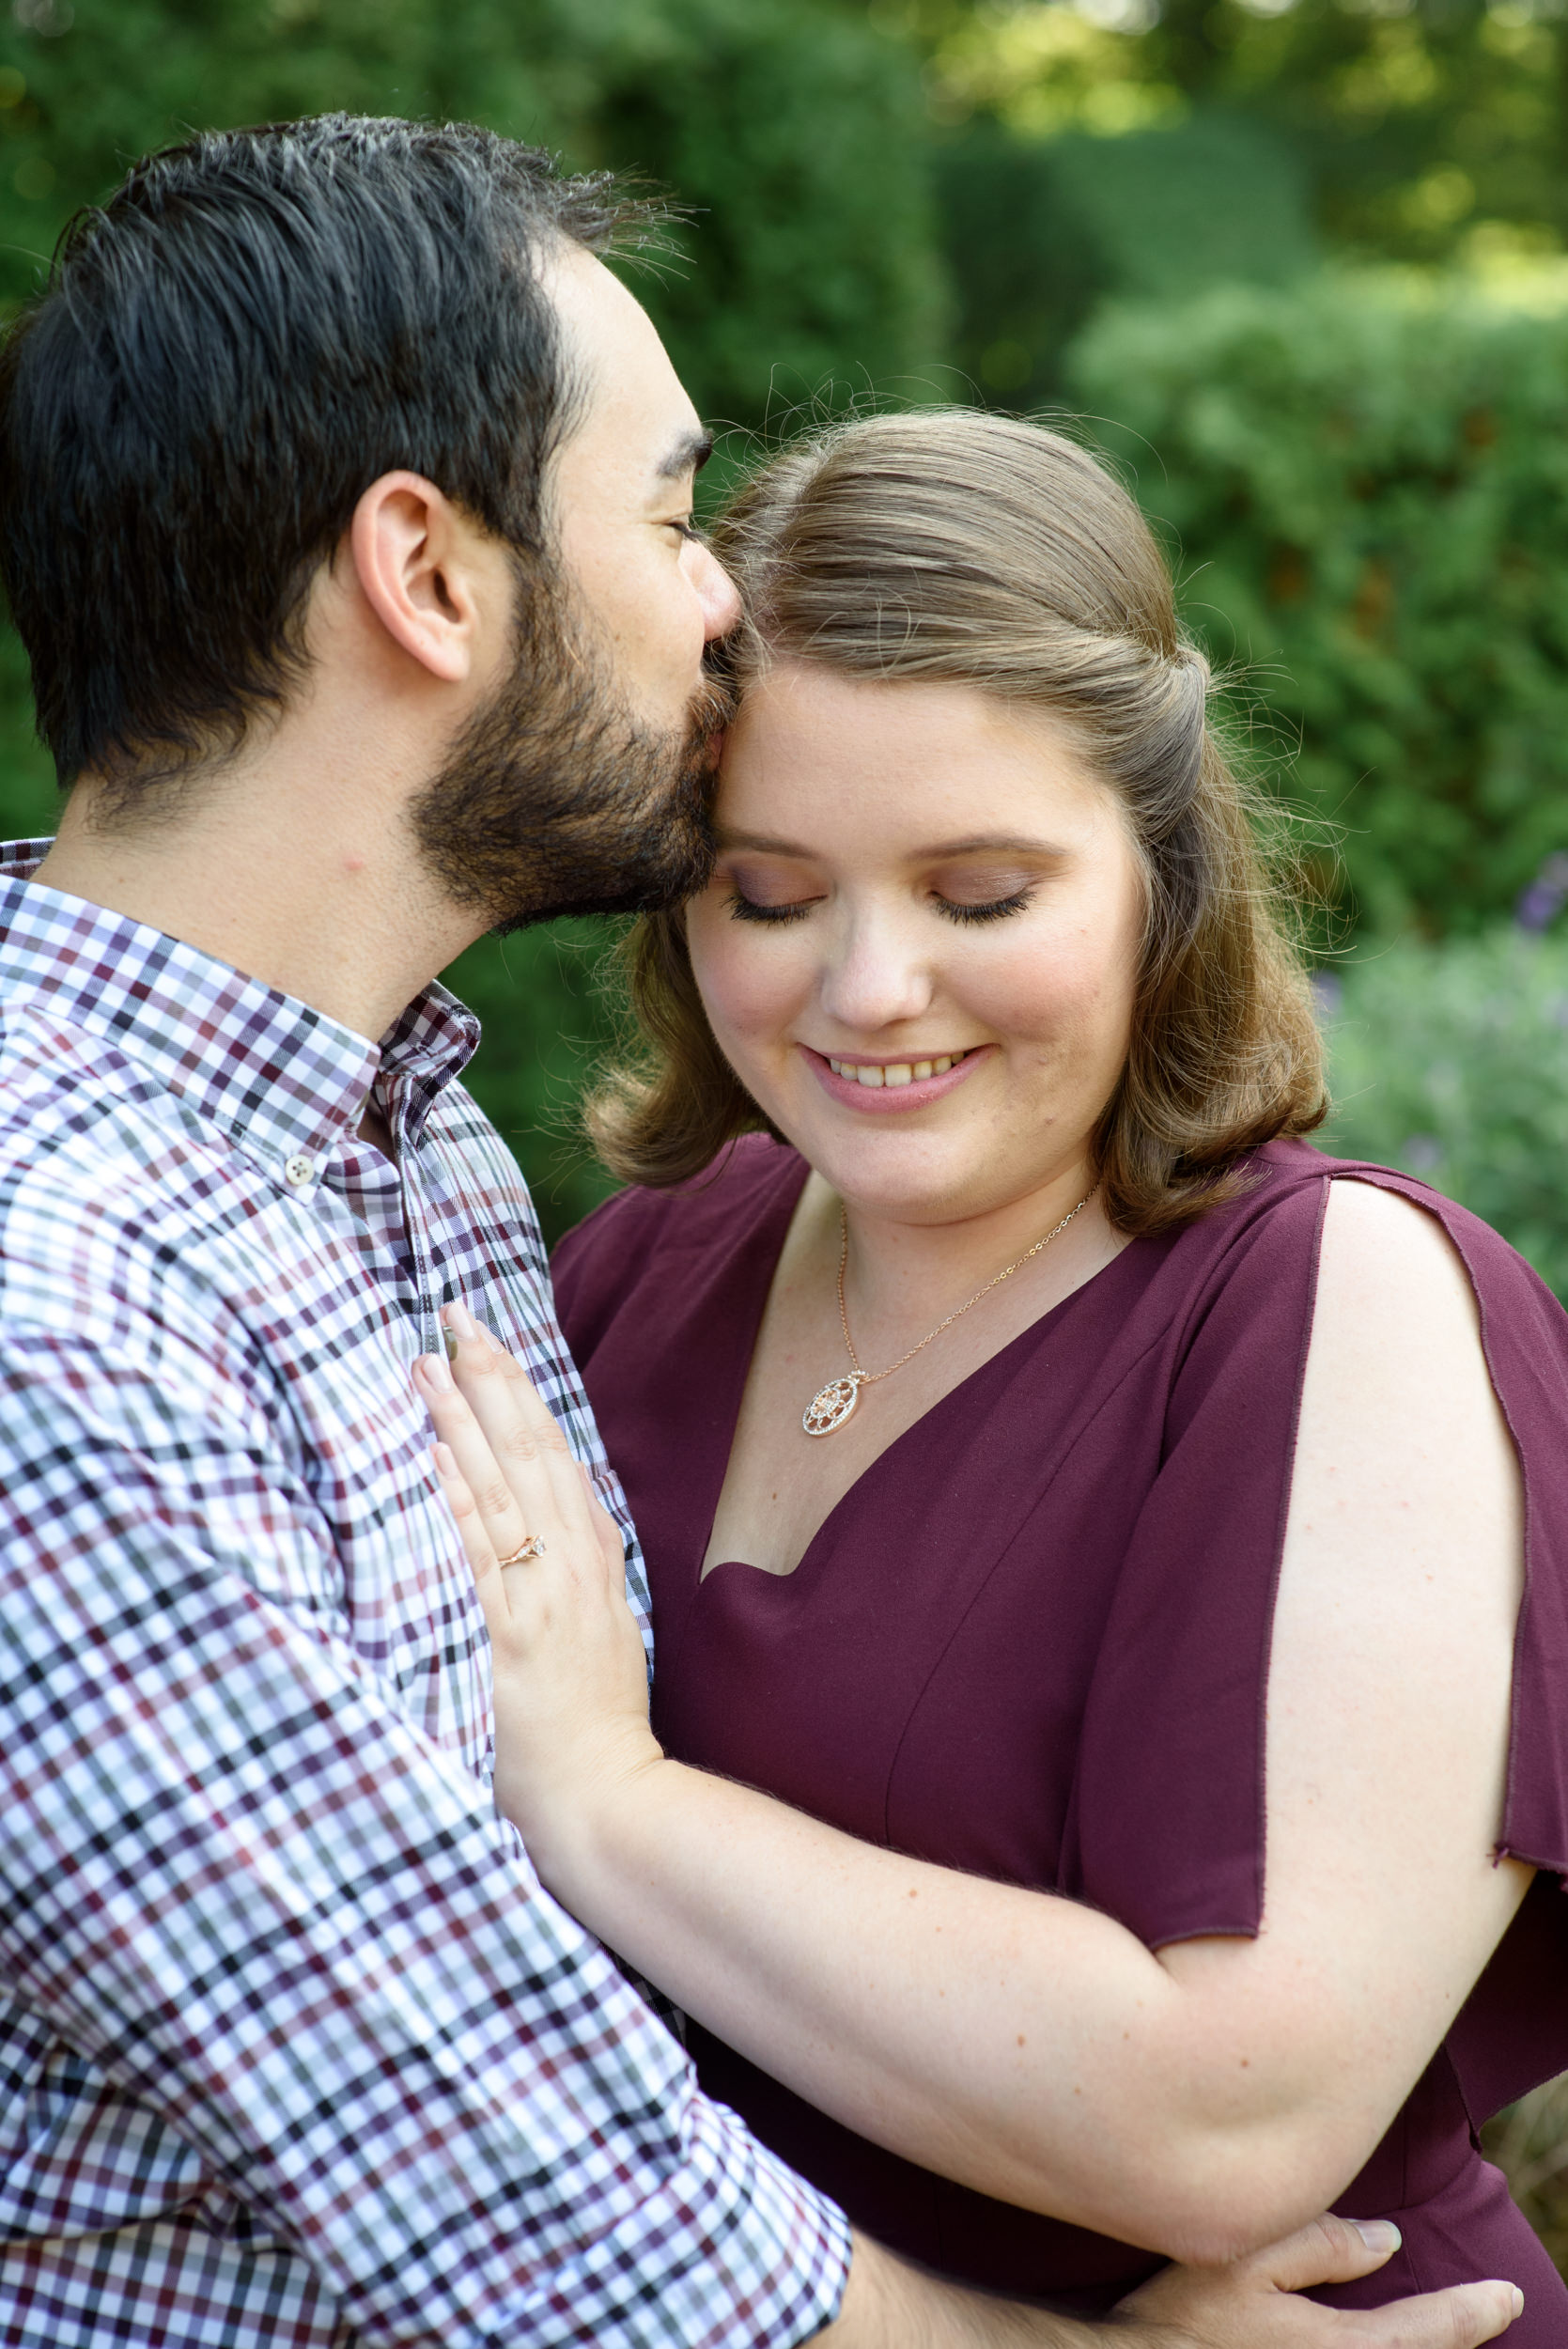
pixel 394 1091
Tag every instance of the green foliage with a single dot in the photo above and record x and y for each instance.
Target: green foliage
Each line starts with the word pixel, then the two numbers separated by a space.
pixel 27 793
pixel 1451 1062
pixel 547 1016
pixel 796 137
pixel 1423 127
pixel 1368 479
pixel 1157 213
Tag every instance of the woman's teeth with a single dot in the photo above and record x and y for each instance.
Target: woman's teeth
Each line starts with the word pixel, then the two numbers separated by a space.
pixel 893 1072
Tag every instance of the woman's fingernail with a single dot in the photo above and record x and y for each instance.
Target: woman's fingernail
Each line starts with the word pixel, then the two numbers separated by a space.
pixel 445 1458
pixel 1518 2301
pixel 458 1317
pixel 1378 2235
pixel 433 1370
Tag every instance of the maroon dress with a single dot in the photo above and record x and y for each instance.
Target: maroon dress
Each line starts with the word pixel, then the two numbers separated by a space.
pixel 1031 1643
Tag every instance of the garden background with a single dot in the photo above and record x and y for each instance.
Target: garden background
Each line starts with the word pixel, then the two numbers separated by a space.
pixel 1298 266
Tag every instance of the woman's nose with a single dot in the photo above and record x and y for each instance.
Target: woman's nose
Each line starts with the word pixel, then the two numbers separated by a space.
pixel 873 984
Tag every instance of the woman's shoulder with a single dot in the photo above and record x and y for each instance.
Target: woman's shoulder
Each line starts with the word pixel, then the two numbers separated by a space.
pixel 642 1237
pixel 1292 1187
pixel 1283 1192
pixel 1242 1285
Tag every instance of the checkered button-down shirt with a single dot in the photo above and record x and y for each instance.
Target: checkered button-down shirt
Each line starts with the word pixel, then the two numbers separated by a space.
pixel 293 2048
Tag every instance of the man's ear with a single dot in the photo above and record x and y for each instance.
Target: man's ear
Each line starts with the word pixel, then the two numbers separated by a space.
pixel 423 569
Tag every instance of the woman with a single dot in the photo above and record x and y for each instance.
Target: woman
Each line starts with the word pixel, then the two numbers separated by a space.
pixel 1057 1478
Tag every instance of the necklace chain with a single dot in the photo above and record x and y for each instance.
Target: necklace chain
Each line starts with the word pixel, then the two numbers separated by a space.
pixel 870 1378
pixel 831 1404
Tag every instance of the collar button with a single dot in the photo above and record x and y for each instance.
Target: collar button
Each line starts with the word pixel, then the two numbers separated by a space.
pixel 298 1169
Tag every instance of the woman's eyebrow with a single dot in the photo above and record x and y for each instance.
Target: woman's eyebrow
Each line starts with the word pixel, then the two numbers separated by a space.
pixel 760 843
pixel 989 843
pixel 975 843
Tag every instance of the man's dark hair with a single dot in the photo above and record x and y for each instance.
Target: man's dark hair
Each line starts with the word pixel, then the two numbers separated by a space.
pixel 255 327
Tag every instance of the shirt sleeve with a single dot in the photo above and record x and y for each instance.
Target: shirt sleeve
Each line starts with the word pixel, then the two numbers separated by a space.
pixel 241 1884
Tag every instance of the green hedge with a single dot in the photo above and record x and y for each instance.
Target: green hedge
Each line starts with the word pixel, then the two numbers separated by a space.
pixel 1451 1062
pixel 1366 481
pixel 547 1017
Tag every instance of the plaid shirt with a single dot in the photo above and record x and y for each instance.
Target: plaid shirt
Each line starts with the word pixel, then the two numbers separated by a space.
pixel 293 2048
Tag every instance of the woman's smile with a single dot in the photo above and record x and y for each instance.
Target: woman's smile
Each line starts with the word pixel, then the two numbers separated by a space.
pixel 896 1082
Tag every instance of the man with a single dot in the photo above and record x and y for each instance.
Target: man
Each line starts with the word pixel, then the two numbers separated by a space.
pixel 345 510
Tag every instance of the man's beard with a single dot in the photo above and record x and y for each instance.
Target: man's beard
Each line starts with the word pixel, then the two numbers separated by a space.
pixel 556 798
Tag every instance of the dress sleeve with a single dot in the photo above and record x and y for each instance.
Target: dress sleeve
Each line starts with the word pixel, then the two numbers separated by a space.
pixel 1169 1812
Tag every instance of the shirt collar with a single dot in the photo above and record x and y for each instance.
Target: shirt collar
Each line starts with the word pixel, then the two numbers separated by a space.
pixel 284 1081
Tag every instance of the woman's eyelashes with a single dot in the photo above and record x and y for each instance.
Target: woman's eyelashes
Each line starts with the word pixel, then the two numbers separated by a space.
pixel 743 909
pixel 989 908
pixel 960 909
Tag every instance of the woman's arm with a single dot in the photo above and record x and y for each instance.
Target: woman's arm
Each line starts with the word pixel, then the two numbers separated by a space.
pixel 1202 2099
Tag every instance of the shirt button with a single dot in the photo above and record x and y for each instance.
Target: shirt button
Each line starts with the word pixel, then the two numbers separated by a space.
pixel 298 1169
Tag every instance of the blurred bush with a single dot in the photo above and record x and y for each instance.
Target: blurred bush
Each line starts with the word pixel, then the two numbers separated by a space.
pixel 1530 2144
pixel 1366 482
pixel 1451 1062
pixel 547 1015
pixel 1154 213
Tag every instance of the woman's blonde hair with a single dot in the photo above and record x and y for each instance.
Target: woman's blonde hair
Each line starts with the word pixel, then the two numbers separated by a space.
pixel 985 552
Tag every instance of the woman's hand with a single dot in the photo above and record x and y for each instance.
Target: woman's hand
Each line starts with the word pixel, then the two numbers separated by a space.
pixel 1255 2302
pixel 571 1689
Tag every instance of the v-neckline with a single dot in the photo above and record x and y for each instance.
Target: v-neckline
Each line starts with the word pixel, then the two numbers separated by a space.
pixel 749 1328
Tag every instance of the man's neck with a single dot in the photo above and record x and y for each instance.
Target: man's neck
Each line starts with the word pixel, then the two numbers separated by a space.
pixel 273 870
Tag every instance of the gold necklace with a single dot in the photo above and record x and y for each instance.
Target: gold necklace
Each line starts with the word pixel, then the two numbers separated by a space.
pixel 831 1404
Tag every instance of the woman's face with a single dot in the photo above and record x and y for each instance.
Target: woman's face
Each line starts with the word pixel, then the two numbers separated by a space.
pixel 920 945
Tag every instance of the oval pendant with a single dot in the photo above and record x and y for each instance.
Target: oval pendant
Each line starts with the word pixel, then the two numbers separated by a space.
pixel 830 1405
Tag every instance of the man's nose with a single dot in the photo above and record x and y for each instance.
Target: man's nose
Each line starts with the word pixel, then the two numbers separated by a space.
pixel 716 593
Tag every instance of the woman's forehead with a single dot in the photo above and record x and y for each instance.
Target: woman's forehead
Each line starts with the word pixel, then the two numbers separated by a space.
pixel 936 757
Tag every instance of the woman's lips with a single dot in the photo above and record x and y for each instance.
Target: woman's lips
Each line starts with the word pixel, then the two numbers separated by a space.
pixel 886 1099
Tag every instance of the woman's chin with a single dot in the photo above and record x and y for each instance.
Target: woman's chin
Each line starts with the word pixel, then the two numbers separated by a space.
pixel 903 1177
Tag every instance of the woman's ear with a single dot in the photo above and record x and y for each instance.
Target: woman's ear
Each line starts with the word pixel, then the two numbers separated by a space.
pixel 427 574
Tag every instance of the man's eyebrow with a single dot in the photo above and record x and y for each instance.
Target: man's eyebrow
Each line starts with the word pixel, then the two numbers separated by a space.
pixel 689 455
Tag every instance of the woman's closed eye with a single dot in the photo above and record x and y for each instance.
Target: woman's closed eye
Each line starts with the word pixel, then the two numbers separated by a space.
pixel 976 891
pixel 743 909
pixel 964 910
pixel 985 908
pixel 781 891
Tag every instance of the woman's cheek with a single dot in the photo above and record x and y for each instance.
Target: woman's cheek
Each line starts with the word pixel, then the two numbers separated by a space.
pixel 751 988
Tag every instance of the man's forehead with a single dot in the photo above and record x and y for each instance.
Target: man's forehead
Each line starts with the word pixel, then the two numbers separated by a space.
pixel 633 391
